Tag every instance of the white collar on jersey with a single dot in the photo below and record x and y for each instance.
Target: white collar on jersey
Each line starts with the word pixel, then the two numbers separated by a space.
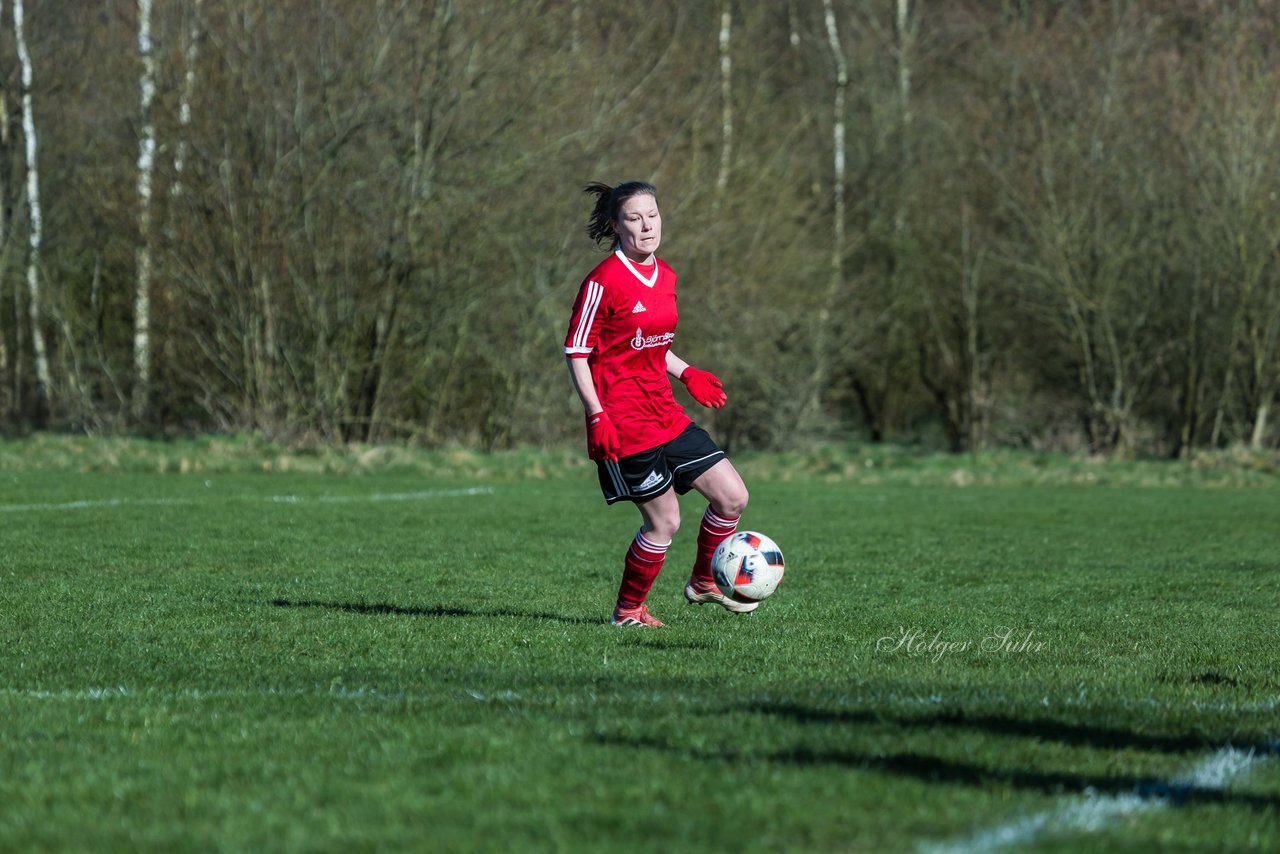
pixel 653 277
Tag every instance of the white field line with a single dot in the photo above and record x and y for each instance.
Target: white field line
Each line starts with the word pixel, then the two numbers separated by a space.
pixel 337 692
pixel 334 692
pixel 1090 813
pixel 275 499
pixel 90 505
pixel 394 496
pixel 120 692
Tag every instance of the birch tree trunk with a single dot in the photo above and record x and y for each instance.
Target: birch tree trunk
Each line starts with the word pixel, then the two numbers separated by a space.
pixel 905 35
pixel 906 38
pixel 146 169
pixel 190 55
pixel 43 380
pixel 726 102
pixel 837 146
pixel 575 25
pixel 1264 341
pixel 4 221
pixel 823 333
pixel 1258 438
pixel 970 289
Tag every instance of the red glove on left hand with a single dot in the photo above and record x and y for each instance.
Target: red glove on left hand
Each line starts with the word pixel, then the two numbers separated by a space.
pixel 602 438
pixel 704 386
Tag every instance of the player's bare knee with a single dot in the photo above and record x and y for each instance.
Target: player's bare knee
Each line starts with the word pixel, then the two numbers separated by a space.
pixel 663 527
pixel 734 504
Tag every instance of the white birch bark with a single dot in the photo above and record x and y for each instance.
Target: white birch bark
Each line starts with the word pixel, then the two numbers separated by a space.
pixel 838 152
pixel 43 379
pixel 4 194
pixel 822 348
pixel 146 169
pixel 906 39
pixel 190 55
pixel 1257 439
pixel 575 22
pixel 726 101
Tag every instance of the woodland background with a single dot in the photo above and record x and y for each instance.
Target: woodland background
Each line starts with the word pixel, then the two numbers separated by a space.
pixel 964 224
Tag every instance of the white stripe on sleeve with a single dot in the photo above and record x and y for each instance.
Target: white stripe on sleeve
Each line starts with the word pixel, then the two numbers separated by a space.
pixel 590 304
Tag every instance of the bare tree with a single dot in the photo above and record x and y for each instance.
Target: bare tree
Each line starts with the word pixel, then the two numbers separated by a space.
pixel 726 99
pixel 906 31
pixel 190 57
pixel 146 169
pixel 575 26
pixel 822 332
pixel 1231 145
pixel 44 382
pixel 4 219
pixel 940 231
pixel 1087 254
pixel 837 146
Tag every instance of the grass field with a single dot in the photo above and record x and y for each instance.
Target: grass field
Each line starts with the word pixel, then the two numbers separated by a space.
pixel 331 659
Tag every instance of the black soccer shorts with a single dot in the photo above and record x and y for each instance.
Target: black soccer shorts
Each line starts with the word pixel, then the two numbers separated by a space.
pixel 648 474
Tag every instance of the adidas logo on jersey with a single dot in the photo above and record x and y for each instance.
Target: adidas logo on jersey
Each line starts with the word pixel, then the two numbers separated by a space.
pixel 650 482
pixel 639 308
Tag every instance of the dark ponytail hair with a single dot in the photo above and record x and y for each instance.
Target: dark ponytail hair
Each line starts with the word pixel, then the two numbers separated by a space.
pixel 605 211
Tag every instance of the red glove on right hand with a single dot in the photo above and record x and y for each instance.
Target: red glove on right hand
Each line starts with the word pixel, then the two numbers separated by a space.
pixel 704 386
pixel 602 439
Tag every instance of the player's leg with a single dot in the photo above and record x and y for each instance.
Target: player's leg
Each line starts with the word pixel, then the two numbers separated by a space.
pixel 645 557
pixel 724 490
pixel 727 497
pixel 698 463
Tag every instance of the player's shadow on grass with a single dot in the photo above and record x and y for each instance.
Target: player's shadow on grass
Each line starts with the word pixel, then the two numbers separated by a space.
pixel 659 640
pixel 933 769
pixel 630 638
pixel 1042 729
pixel 430 611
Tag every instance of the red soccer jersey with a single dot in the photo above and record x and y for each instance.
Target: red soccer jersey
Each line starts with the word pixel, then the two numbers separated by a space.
pixel 623 322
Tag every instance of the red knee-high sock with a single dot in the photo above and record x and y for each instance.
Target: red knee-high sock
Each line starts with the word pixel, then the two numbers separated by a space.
pixel 640 567
pixel 713 531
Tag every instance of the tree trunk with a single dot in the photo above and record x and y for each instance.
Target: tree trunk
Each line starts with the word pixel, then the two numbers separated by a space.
pixel 823 333
pixel 43 379
pixel 190 54
pixel 1259 435
pixel 726 102
pixel 975 415
pixel 146 170
pixel 906 38
pixel 838 149
pixel 4 227
pixel 575 27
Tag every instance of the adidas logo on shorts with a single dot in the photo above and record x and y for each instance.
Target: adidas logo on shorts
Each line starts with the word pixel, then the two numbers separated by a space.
pixel 650 482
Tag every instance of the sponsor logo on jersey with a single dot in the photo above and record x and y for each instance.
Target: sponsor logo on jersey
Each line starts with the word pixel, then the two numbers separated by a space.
pixel 641 341
pixel 639 307
pixel 650 482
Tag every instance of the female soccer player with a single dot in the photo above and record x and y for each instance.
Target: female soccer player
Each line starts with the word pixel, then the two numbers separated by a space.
pixel 647 450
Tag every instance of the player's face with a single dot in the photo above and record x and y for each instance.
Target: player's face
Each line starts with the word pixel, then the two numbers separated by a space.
pixel 639 227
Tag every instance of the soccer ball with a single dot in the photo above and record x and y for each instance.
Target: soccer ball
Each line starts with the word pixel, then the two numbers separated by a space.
pixel 747 567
